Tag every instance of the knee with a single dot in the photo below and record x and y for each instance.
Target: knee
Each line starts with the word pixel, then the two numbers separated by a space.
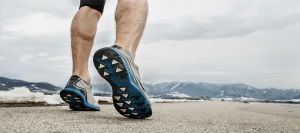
pixel 80 30
pixel 77 32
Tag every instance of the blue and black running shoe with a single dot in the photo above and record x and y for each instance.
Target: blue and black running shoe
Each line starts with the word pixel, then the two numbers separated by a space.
pixel 116 66
pixel 78 94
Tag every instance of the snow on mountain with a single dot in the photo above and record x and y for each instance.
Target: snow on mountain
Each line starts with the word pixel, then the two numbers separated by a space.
pixel 160 81
pixel 219 90
pixel 174 87
pixel 7 84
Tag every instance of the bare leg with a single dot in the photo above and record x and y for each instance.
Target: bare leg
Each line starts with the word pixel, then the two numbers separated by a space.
pixel 131 16
pixel 83 31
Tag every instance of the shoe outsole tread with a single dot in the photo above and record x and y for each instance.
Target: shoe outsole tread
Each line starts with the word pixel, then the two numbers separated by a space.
pixel 128 99
pixel 76 100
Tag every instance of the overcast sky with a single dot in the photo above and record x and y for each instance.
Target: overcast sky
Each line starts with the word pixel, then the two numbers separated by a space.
pixel 255 42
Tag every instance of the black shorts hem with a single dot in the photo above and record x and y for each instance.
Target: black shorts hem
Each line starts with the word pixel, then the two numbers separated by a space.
pixel 93 7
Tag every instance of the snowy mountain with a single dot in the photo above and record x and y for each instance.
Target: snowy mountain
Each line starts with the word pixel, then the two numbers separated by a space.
pixel 9 84
pixel 157 89
pixel 198 89
pixel 221 90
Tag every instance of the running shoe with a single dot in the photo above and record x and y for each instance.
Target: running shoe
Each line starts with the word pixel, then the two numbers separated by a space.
pixel 78 94
pixel 116 66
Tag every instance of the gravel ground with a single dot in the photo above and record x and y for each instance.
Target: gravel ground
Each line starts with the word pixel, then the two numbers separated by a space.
pixel 197 117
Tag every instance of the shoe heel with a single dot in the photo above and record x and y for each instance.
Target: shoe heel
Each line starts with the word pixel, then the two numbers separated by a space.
pixel 76 100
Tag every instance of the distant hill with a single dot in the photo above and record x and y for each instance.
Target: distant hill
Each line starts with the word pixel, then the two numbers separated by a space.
pixel 213 90
pixel 157 89
pixel 222 90
pixel 8 84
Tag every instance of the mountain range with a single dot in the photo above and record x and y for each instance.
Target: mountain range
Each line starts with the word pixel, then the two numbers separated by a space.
pixel 7 84
pixel 221 90
pixel 157 89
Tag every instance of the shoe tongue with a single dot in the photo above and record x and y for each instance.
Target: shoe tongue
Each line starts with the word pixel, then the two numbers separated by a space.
pixel 127 52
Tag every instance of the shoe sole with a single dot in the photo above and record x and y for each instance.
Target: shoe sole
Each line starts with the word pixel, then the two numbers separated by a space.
pixel 128 99
pixel 76 100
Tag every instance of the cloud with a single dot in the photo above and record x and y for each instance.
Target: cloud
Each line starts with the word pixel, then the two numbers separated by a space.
pixel 251 41
pixel 43 54
pixel 236 23
pixel 28 56
pixel 22 59
pixel 213 73
pixel 25 55
pixel 20 8
pixel 37 24
pixel 59 58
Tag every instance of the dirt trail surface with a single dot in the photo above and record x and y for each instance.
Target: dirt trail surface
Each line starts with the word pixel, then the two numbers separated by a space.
pixel 167 117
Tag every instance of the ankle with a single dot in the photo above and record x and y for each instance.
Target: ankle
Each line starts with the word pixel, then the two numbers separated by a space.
pixel 85 77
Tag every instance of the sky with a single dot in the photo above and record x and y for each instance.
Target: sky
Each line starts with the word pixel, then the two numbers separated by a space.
pixel 253 42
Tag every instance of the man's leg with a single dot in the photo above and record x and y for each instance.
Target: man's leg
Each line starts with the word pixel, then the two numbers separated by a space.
pixel 131 16
pixel 83 31
pixel 78 91
pixel 116 64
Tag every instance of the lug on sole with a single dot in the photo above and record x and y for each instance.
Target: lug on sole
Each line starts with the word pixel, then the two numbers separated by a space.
pixel 128 99
pixel 76 101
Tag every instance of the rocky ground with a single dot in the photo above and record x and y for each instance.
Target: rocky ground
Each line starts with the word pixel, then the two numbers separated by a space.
pixel 210 116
